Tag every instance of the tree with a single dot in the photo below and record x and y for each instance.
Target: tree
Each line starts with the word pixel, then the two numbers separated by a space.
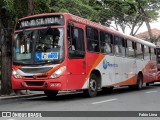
pixel 30 7
pixel 6 65
pixel 148 9
pixel 11 10
pixel 131 13
pixel 89 9
pixel 7 21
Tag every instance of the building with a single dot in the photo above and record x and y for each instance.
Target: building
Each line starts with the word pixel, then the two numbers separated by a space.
pixel 145 36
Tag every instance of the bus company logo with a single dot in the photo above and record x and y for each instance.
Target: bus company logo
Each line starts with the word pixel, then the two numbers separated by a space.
pixel 108 64
pixel 105 64
pixel 34 76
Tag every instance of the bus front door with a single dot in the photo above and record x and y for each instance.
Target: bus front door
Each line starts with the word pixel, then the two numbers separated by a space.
pixel 76 57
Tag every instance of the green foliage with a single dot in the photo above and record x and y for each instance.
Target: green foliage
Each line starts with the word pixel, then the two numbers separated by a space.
pixel 8 5
pixel 42 6
pixel 125 13
pixel 76 7
pixel 14 9
pixel 128 13
pixel 10 10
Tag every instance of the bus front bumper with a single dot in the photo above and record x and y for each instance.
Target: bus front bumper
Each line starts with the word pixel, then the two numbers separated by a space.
pixel 48 84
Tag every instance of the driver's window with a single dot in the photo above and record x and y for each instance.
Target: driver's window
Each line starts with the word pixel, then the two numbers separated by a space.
pixel 48 40
pixel 76 42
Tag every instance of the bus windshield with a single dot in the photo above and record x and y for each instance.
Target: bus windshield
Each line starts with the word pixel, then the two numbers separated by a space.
pixel 40 46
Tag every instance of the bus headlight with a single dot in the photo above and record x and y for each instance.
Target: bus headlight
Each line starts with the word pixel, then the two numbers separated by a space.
pixel 58 72
pixel 15 74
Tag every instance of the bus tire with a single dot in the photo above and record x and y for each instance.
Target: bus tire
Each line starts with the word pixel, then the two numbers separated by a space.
pixel 51 93
pixel 147 84
pixel 139 82
pixel 92 87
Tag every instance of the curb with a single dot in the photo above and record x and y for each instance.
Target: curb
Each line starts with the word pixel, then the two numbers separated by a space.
pixel 36 95
pixel 20 96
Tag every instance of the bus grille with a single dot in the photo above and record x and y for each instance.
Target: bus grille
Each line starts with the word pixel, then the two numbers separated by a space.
pixel 34 83
pixel 37 77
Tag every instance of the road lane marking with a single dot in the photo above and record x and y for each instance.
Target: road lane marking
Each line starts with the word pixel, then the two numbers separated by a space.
pixel 151 91
pixel 104 101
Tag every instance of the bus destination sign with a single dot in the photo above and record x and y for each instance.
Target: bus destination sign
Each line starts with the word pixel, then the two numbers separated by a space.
pixel 40 21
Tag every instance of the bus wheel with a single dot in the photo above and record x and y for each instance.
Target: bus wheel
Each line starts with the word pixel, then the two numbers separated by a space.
pixel 51 93
pixel 139 81
pixel 92 88
pixel 147 84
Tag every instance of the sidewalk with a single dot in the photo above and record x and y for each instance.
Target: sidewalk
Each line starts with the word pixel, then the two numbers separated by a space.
pixel 29 93
pixel 22 94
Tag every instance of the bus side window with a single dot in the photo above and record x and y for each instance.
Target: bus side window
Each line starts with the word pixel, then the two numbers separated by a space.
pixel 146 53
pixel 118 45
pixel 106 42
pixel 150 53
pixel 130 52
pixel 92 39
pixel 153 54
pixel 139 51
pixel 158 56
pixel 123 47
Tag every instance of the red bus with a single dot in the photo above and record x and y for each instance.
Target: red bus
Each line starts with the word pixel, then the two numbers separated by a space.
pixel 63 52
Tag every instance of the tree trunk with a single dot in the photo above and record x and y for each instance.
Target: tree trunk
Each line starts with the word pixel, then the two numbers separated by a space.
pixel 30 7
pixel 1 26
pixel 149 30
pixel 146 19
pixel 6 64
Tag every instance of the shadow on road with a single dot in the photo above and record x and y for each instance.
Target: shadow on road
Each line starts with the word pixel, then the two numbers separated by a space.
pixel 80 95
pixel 63 97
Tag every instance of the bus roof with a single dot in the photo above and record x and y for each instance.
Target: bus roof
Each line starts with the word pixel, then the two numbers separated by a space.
pixel 95 25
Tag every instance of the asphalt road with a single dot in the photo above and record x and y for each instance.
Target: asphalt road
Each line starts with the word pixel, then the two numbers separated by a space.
pixel 121 99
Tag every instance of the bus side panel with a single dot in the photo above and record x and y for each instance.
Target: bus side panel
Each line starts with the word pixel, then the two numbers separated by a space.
pixel 126 69
pixel 150 72
pixel 93 62
pixel 107 70
pixel 76 73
